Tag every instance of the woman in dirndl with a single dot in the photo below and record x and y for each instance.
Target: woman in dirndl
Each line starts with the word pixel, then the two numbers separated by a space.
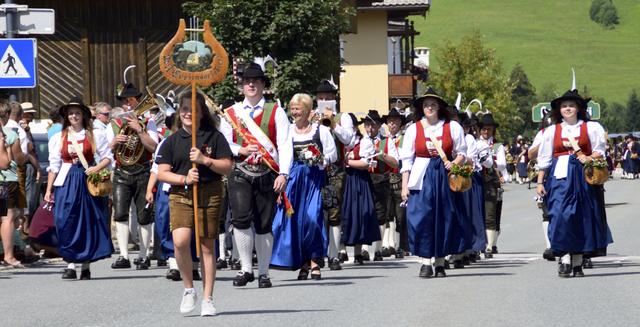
pixel 301 240
pixel 81 219
pixel 436 216
pixel 577 216
pixel 359 219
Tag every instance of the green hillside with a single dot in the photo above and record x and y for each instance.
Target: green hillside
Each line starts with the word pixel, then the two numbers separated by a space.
pixel 548 38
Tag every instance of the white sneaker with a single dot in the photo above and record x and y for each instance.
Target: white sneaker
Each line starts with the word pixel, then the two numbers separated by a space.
pixel 188 301
pixel 206 308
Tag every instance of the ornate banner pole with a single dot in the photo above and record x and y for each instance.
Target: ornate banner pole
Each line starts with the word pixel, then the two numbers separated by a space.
pixel 198 63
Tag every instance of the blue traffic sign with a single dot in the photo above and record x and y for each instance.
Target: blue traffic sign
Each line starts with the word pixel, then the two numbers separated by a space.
pixel 18 63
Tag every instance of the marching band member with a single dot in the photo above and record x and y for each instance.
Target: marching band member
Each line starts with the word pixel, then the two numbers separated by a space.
pixel 359 221
pixel 576 209
pixel 213 158
pixel 253 187
pixel 80 218
pixel 301 240
pixel 395 121
pixel 492 182
pixel 344 136
pixel 434 213
pixel 380 169
pixel 130 181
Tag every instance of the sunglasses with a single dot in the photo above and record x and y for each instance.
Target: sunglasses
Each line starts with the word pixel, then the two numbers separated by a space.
pixel 106 114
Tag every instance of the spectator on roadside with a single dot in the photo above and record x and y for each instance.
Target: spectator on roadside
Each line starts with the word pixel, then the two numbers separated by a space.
pixel 56 123
pixel 102 114
pixel 33 166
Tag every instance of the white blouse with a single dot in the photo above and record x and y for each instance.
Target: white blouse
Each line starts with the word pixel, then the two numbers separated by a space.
pixel 417 166
pixel 55 149
pixel 545 152
pixel 499 153
pixel 344 131
pixel 328 145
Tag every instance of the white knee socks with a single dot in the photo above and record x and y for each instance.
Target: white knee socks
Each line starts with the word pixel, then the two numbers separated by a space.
pixel 545 229
pixel 264 247
pixel 566 259
pixel 244 242
pixel 426 261
pixel 222 246
pixel 146 231
pixel 334 241
pixel 122 235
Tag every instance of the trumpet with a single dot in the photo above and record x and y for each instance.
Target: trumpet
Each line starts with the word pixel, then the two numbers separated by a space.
pixel 319 118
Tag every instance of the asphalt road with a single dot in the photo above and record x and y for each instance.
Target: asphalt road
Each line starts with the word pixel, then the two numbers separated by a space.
pixel 516 288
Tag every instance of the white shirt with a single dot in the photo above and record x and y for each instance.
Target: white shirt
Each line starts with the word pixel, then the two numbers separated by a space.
pixel 483 150
pixel 594 131
pixel 344 131
pixel 366 149
pixel 329 151
pixel 55 150
pixel 500 155
pixel 284 144
pixel 417 166
pixel 98 124
pixel 22 135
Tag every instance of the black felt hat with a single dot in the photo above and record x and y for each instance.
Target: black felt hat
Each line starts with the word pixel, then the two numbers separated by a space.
pixel 74 102
pixel 254 70
pixel 394 113
pixel 464 119
pixel 129 91
pixel 431 93
pixel 372 116
pixel 571 95
pixel 487 120
pixel 325 86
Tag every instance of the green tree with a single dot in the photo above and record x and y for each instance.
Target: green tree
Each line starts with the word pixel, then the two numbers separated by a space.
pixel 548 92
pixel 604 12
pixel 302 36
pixel 523 96
pixel 633 112
pixel 476 72
pixel 612 116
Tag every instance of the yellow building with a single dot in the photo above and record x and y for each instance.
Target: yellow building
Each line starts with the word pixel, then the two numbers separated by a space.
pixel 378 55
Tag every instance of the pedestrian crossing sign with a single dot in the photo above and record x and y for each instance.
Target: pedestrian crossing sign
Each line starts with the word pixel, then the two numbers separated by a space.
pixel 18 63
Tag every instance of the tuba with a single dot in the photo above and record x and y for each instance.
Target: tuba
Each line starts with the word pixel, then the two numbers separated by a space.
pixel 129 153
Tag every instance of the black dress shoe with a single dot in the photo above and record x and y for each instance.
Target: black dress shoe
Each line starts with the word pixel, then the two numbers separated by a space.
pixel 473 258
pixel 494 249
pixel 577 272
pixel 466 260
pixel 342 256
pixel 400 254
pixel 242 278
pixel 221 264
pixel 121 263
pixel 334 264
pixel 440 272
pixel 358 259
pixel 548 255
pixel 446 264
pixel 137 261
pixel 85 274
pixel 365 256
pixel 457 264
pixel 392 251
pixel 162 263
pixel 196 275
pixel 488 254
pixel 174 275
pixel 385 252
pixel 377 256
pixel 426 271
pixel 143 264
pixel 69 274
pixel 587 263
pixel 264 281
pixel 564 270
pixel 235 264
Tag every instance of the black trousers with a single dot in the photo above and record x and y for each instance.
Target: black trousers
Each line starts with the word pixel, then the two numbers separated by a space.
pixel 399 213
pixel 381 194
pixel 252 200
pixel 492 200
pixel 127 188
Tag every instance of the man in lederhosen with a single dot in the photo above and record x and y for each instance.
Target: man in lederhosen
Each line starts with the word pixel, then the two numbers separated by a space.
pixel 345 137
pixel 395 120
pixel 492 182
pixel 130 181
pixel 380 170
pixel 253 188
